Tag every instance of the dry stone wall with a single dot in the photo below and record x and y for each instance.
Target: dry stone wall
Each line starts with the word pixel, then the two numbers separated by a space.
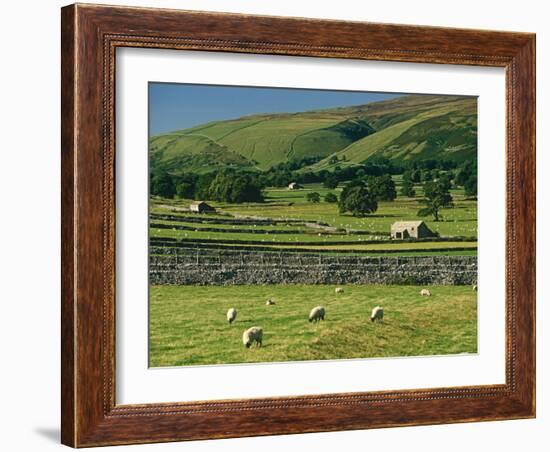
pixel 230 267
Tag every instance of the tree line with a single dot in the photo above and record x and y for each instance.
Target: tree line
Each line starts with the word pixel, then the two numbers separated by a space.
pixel 225 186
pixel 365 186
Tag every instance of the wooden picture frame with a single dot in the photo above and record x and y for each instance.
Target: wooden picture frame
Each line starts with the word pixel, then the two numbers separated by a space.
pixel 90 36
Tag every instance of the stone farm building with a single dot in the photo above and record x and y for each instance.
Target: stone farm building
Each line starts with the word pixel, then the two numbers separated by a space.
pixel 410 229
pixel 201 207
pixel 293 186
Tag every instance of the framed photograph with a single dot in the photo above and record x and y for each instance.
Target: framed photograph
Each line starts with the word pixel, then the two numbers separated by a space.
pixel 282 225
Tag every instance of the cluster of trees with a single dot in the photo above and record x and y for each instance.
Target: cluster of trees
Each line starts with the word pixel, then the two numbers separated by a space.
pixel 357 199
pixel 225 186
pixel 233 187
pixel 283 173
pixel 370 183
pixel 382 187
pixel 466 176
pixel 315 197
pixel 417 172
pixel 407 185
pixel 360 197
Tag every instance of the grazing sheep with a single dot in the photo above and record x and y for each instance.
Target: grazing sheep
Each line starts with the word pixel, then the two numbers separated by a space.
pixel 317 314
pixel 252 335
pixel 231 315
pixel 474 288
pixel 339 290
pixel 425 293
pixel 270 302
pixel 377 314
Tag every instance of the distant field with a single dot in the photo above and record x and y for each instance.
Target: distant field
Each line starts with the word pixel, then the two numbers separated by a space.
pixel 188 324
pixel 287 207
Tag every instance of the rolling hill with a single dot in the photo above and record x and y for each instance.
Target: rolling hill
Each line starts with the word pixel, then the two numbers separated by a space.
pixel 407 128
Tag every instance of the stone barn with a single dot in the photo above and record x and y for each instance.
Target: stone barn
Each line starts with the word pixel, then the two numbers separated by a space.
pixel 294 186
pixel 410 230
pixel 201 207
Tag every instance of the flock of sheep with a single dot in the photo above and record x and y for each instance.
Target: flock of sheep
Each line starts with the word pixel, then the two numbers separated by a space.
pixel 254 335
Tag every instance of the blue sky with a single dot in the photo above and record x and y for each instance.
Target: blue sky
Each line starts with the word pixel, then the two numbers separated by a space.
pixel 174 106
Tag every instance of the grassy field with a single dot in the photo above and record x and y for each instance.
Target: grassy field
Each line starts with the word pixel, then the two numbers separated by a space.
pixel 349 233
pixel 188 324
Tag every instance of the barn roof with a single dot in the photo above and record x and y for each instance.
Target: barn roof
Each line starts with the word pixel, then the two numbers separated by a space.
pixel 402 225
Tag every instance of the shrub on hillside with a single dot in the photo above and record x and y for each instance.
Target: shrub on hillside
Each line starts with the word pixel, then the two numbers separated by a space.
pixel 331 197
pixel 313 197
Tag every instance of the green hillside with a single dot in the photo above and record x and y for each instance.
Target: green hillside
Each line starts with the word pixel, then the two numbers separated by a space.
pixel 413 127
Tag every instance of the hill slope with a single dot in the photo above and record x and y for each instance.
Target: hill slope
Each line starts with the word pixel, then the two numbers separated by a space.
pixel 413 127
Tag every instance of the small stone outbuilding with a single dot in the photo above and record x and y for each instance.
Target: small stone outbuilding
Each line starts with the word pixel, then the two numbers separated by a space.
pixel 201 207
pixel 294 186
pixel 410 230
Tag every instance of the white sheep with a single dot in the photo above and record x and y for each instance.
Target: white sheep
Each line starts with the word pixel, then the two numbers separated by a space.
pixel 252 335
pixel 339 290
pixel 474 288
pixel 270 302
pixel 377 314
pixel 425 293
pixel 231 315
pixel 317 314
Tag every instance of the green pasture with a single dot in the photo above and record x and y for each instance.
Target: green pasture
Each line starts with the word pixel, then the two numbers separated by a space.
pixel 281 204
pixel 188 324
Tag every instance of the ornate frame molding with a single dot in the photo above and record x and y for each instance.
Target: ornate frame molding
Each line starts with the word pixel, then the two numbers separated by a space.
pixel 90 37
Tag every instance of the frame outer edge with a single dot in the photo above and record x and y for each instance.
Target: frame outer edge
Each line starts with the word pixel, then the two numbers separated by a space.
pixel 525 62
pixel 86 420
pixel 68 230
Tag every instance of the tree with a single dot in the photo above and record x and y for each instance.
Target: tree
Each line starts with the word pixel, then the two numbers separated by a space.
pixel 357 200
pixel 436 197
pixel 229 186
pixel 162 185
pixel 470 186
pixel 313 197
pixel 382 188
pixel 245 189
pixel 426 175
pixel 202 188
pixel 331 181
pixel 445 180
pixel 466 170
pixel 407 188
pixel 331 197
pixel 185 190
pixel 416 175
